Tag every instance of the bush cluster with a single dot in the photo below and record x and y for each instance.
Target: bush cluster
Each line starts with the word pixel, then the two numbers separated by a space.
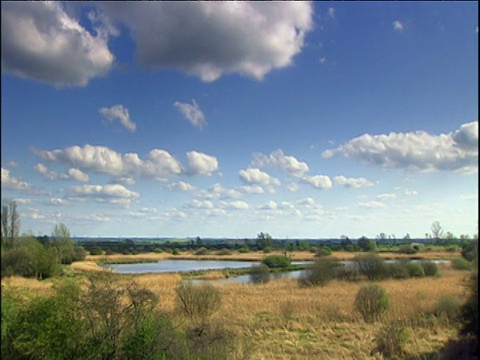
pixel 276 261
pixel 372 302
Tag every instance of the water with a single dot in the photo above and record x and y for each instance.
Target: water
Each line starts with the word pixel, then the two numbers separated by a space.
pixel 169 266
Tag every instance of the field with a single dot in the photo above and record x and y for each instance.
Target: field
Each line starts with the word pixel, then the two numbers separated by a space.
pixel 282 320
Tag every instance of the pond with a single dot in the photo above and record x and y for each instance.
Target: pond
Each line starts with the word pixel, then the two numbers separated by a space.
pixel 170 266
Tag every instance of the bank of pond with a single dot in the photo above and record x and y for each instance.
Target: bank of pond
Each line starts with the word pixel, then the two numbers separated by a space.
pixel 226 270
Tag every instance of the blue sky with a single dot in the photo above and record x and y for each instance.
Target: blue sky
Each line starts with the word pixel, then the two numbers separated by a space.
pixel 225 119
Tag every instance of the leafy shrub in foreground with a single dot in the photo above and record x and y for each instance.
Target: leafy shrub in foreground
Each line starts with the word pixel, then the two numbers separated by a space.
pixel 397 270
pixel 321 272
pixel 372 302
pixel 391 341
pixel 198 301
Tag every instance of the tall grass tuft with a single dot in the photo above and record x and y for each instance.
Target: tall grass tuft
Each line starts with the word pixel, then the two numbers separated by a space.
pixel 372 302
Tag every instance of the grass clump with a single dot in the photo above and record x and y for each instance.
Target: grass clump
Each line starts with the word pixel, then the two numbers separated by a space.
pixel 372 302
pixel 372 266
pixel 321 272
pixel 430 268
pixel 448 308
pixel 415 269
pixel 198 301
pixel 259 274
pixel 461 264
pixel 391 340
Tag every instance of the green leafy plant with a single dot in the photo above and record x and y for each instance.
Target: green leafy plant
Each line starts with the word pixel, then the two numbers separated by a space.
pixel 372 302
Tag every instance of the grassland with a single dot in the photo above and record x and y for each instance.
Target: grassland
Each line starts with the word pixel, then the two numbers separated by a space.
pixel 282 320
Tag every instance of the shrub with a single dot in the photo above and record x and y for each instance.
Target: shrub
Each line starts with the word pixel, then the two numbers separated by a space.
pixel 415 269
pixel 244 249
pixel 449 308
pixel 470 250
pixel 201 251
pixel 198 301
pixel 430 268
pixel 372 301
pixel 158 250
pixel 391 341
pixel 276 261
pixel 397 270
pixel 267 249
pixel 371 265
pixel 175 252
pixel 96 250
pixel 224 252
pixel 407 249
pixel 323 251
pixel 259 274
pixel 321 272
pixel 461 264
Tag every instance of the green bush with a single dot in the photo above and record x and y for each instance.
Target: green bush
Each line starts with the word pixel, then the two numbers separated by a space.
pixel 267 249
pixel 449 308
pixel 259 274
pixel 323 251
pixel 407 249
pixel 430 268
pixel 391 341
pixel 461 264
pixel 202 251
pixel 371 265
pixel 397 270
pixel 415 269
pixel 470 250
pixel 372 302
pixel 244 249
pixel 224 252
pixel 175 252
pixel 321 272
pixel 276 261
pixel 198 301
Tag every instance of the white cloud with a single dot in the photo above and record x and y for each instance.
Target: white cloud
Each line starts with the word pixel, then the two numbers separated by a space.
pixel 111 193
pixel 73 173
pixel 201 164
pixel 237 204
pixel 288 164
pixel 77 175
pixel 293 187
pixel 386 196
pixel 372 204
pixel 270 205
pixel 257 177
pixel 217 191
pixel 418 151
pixel 250 38
pixel 181 186
pixel 409 192
pixel 318 181
pixel 13 183
pixel 157 165
pixel 306 202
pixel 252 189
pixel 120 113
pixel 41 41
pixel 397 25
pixel 192 113
pixel 197 204
pixel 331 12
pixel 352 182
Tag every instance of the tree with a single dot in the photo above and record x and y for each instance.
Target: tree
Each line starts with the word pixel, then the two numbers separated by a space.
pixel 10 223
pixel 63 243
pixel 263 240
pixel 437 231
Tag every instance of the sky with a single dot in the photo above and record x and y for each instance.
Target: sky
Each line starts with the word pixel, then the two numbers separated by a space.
pixel 226 119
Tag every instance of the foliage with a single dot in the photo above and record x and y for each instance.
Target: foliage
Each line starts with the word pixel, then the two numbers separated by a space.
pixel 430 268
pixel 321 272
pixel 202 251
pixel 263 240
pixel 366 245
pixel 276 261
pixel 397 270
pixel 371 265
pixel 470 250
pixel 391 341
pixel 198 301
pixel 461 264
pixel 448 307
pixel 259 274
pixel 323 251
pixel 10 223
pixel 372 301
pixel 415 269
pixel 407 249
pixel 224 251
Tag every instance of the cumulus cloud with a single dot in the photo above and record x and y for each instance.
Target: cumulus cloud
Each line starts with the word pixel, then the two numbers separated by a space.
pixel 416 151
pixel 352 182
pixel 270 205
pixel 74 174
pixel 181 186
pixel 372 204
pixel 192 113
pixel 111 193
pixel 13 183
pixel 318 181
pixel 292 187
pixel 198 204
pixel 119 113
pixel 386 196
pixel 257 177
pixel 252 189
pixel 201 164
pixel 209 39
pixel 237 204
pixel 397 25
pixel 157 165
pixel 306 202
pixel 288 164
pixel 41 41
pixel 217 191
